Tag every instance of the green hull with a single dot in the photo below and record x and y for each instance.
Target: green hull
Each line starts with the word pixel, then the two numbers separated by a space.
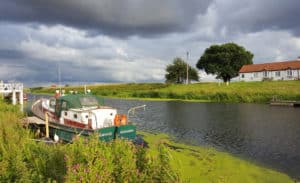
pixel 68 134
pixel 126 132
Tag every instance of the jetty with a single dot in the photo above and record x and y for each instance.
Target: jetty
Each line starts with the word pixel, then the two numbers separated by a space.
pixel 285 103
pixel 13 91
pixel 288 103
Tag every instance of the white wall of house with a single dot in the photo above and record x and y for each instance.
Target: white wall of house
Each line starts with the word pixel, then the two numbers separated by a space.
pixel 274 75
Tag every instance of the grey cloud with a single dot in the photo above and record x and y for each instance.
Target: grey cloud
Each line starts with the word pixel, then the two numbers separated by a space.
pixel 10 54
pixel 118 17
pixel 257 15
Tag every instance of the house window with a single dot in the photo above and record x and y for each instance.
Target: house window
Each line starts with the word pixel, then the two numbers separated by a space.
pixel 265 74
pixel 277 73
pixel 243 76
pixel 255 74
pixel 289 73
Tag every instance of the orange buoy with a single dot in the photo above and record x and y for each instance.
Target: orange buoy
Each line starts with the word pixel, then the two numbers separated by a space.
pixel 123 119
pixel 120 119
pixel 117 120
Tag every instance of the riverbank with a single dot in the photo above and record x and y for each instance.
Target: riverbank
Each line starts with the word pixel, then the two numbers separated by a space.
pixel 236 92
pixel 24 159
pixel 199 164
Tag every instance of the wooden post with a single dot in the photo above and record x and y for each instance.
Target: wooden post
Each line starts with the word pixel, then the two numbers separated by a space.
pixel 14 98
pixel 21 97
pixel 47 124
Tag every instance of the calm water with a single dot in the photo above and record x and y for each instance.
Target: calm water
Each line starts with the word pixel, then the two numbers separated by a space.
pixel 267 135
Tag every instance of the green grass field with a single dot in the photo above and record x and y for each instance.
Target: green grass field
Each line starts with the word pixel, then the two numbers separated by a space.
pixel 244 92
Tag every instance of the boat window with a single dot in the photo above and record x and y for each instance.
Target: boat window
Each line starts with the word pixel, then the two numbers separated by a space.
pixel 52 103
pixel 64 105
pixel 88 101
pixel 66 113
pixel 75 116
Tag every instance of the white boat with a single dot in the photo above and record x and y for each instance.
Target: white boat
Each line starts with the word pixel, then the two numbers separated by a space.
pixel 82 114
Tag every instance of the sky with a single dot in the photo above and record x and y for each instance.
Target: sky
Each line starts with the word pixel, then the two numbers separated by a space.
pixel 120 41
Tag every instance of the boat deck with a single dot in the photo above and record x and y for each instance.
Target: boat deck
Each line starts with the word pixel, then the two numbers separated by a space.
pixel 37 109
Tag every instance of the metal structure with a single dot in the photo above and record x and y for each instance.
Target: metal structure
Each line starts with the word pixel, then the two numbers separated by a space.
pixel 187 68
pixel 12 90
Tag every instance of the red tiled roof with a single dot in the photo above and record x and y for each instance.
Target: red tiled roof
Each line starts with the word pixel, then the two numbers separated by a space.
pixel 275 66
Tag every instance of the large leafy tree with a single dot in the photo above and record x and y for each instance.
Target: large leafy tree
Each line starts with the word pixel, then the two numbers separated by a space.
pixel 224 60
pixel 176 72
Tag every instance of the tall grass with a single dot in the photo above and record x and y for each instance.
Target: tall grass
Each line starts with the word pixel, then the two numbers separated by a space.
pixel 22 159
pixel 245 92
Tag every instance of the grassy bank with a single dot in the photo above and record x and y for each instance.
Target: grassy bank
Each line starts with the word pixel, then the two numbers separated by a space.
pixel 198 164
pixel 245 92
pixel 22 159
pixel 25 160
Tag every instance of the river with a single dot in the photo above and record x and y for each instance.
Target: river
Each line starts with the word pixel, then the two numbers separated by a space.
pixel 266 135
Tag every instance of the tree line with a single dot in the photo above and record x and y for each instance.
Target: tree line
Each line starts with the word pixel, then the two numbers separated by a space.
pixel 223 60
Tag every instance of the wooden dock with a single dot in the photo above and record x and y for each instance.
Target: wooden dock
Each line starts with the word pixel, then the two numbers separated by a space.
pixel 39 118
pixel 285 103
pixel 33 120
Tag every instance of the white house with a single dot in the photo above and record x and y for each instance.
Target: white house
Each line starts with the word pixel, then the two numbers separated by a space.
pixel 288 70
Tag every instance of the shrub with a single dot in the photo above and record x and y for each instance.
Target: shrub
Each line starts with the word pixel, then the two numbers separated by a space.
pixel 22 159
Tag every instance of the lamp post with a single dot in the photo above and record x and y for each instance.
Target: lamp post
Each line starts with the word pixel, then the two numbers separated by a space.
pixel 187 68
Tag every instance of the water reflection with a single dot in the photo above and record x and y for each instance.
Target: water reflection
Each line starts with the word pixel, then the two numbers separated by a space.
pixel 264 134
pixel 261 133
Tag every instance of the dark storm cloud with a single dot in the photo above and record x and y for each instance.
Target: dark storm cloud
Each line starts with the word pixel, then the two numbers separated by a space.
pixel 257 15
pixel 118 17
pixel 10 54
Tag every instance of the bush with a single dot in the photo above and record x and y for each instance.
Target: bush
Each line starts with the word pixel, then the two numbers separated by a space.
pixel 22 159
pixel 118 161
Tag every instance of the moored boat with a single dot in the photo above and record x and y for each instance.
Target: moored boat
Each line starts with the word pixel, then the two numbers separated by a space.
pixel 76 115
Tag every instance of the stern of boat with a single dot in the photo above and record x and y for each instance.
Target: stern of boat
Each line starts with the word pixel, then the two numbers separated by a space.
pixel 126 132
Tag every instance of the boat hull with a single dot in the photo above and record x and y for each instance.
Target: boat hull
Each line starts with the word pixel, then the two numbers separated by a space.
pixel 68 134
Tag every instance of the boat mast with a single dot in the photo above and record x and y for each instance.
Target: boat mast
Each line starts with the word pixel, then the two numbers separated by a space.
pixel 59 78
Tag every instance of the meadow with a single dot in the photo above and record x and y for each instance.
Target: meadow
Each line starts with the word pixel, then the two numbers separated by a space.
pixel 237 92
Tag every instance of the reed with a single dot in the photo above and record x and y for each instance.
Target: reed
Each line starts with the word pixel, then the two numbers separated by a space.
pixel 22 159
pixel 243 92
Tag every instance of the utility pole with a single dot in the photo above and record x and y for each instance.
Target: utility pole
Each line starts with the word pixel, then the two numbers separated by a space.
pixel 187 68
pixel 59 78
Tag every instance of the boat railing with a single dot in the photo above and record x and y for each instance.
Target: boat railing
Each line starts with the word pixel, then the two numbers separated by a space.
pixel 133 109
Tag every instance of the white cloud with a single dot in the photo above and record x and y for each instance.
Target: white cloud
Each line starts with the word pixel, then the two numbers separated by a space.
pixel 269 46
pixel 107 57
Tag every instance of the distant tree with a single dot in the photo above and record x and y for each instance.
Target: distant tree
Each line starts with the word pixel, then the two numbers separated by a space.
pixel 224 60
pixel 176 72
